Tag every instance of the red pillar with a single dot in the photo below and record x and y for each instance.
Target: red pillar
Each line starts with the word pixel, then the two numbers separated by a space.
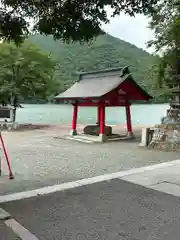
pixel 128 118
pixel 98 114
pixel 102 119
pixel 74 119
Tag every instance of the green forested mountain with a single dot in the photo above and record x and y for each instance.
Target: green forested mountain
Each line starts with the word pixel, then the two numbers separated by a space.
pixel 105 52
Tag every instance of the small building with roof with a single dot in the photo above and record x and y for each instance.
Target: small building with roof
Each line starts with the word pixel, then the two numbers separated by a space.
pixel 113 87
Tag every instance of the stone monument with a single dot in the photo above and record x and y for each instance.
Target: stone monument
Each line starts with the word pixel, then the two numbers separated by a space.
pixel 166 135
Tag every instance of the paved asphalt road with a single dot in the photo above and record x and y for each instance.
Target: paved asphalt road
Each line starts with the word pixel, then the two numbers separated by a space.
pixel 111 210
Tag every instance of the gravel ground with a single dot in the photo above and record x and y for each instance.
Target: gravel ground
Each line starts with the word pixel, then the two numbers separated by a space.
pixel 40 160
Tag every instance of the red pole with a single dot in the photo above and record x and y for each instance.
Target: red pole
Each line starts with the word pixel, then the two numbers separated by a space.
pixel 74 118
pixel 98 114
pixel 102 119
pixel 0 167
pixel 7 158
pixel 128 118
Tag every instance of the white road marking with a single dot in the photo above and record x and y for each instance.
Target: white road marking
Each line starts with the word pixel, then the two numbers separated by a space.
pixel 40 191
pixel 19 230
pixel 78 183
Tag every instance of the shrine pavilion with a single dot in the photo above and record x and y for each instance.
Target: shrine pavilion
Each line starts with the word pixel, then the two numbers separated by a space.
pixel 113 87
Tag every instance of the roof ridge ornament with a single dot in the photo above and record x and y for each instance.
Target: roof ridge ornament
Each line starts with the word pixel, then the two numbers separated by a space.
pixel 124 69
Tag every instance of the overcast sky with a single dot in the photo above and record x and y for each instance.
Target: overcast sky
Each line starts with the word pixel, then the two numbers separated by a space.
pixel 133 30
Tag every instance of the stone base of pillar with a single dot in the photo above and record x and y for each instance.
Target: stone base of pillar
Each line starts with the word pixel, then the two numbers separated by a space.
pixel 130 134
pixel 73 132
pixel 102 138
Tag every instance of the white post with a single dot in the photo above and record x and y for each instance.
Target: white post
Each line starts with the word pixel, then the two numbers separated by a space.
pixel 144 137
pixel 11 114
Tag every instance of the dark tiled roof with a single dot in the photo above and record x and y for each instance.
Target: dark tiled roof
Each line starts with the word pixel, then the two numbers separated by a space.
pixel 96 84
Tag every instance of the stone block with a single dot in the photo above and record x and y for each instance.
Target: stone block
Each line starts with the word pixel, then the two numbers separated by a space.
pixel 171 126
pixel 94 130
pixel 102 138
pixel 73 132
pixel 157 125
pixel 130 135
pixel 10 126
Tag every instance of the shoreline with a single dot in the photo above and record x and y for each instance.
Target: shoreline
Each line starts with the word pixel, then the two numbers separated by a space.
pixel 137 128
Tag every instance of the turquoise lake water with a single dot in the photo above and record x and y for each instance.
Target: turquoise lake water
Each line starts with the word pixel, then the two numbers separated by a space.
pixel 54 114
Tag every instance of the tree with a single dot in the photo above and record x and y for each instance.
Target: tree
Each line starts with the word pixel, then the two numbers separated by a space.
pixel 70 20
pixel 25 72
pixel 165 22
